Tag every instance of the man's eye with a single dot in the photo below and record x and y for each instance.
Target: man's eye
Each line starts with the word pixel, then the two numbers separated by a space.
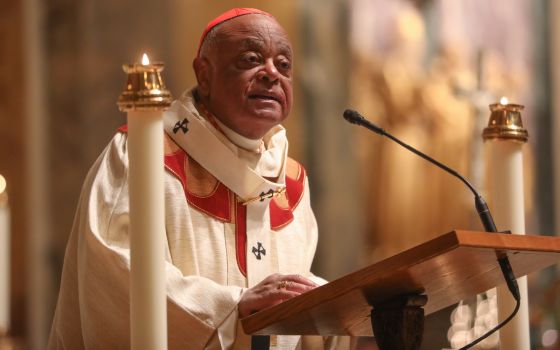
pixel 284 65
pixel 251 58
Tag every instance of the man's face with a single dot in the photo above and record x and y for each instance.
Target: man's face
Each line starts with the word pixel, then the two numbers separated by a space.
pixel 245 79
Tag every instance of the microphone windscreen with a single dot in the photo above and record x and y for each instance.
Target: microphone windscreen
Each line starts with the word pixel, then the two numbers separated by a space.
pixel 352 116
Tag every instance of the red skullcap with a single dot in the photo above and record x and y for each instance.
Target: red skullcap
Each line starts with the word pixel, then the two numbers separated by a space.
pixel 226 16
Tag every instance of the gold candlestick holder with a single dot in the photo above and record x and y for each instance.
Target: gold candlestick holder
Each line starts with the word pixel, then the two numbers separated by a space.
pixel 145 89
pixel 505 123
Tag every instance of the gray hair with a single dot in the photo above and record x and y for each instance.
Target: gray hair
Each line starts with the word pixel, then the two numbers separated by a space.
pixel 209 41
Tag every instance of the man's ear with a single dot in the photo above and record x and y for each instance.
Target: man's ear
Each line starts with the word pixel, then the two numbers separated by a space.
pixel 201 68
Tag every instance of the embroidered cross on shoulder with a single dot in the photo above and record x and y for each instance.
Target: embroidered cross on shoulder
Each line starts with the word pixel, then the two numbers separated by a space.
pixel 181 125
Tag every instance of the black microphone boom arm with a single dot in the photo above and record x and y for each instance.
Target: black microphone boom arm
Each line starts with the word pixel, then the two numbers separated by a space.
pixel 482 209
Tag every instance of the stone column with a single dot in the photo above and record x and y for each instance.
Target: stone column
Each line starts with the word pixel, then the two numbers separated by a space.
pixel 335 193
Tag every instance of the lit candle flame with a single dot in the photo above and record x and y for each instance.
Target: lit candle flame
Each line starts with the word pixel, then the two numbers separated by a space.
pixel 145 60
pixel 504 101
pixel 2 184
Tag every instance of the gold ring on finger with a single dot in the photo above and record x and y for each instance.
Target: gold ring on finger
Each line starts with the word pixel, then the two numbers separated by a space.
pixel 282 285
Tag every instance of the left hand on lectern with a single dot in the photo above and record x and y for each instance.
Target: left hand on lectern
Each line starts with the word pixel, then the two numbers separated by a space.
pixel 271 291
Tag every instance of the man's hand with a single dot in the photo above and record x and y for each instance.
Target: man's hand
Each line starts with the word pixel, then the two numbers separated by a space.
pixel 271 291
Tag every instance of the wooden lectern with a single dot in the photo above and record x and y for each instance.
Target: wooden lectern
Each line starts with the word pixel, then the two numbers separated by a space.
pixel 445 270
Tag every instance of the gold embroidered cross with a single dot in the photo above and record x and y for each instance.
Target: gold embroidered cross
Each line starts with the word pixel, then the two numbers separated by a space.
pixel 264 195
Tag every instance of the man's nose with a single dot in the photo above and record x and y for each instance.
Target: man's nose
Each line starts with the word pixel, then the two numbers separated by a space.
pixel 269 71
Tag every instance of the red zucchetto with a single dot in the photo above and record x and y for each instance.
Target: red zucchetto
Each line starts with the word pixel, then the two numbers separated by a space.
pixel 226 16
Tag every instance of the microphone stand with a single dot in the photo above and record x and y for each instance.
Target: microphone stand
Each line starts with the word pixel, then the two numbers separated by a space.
pixel 482 209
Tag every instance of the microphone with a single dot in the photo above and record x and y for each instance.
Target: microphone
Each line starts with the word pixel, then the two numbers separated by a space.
pixel 482 209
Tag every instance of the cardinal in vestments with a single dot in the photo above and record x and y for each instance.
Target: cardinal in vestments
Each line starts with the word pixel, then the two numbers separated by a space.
pixel 240 232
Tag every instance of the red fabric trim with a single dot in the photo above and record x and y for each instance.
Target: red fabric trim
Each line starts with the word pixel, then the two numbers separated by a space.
pixel 241 237
pixel 295 188
pixel 175 164
pixel 280 217
pixel 217 204
pixel 123 128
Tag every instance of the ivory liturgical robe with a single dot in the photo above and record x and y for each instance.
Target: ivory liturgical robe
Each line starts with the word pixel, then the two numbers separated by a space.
pixel 216 245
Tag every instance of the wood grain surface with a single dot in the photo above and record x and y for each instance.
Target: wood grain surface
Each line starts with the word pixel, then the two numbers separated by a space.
pixel 449 268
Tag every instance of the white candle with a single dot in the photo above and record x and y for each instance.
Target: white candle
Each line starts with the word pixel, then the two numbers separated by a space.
pixel 148 297
pixel 147 229
pixel 4 259
pixel 506 184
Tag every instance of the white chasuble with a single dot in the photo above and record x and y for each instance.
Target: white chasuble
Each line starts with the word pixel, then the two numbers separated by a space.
pixel 227 228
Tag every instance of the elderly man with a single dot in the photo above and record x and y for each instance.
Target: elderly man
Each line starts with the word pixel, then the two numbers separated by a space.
pixel 239 227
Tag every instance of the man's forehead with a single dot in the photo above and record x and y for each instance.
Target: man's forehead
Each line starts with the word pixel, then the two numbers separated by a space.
pixel 251 25
pixel 252 28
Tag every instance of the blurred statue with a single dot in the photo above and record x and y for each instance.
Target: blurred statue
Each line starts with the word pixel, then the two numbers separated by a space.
pixel 390 97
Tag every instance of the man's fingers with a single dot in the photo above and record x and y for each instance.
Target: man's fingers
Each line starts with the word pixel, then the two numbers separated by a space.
pixel 298 287
pixel 273 290
pixel 294 286
pixel 293 283
pixel 299 279
pixel 274 297
pixel 282 295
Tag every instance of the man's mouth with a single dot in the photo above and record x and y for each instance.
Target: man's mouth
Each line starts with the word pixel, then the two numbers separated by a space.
pixel 264 97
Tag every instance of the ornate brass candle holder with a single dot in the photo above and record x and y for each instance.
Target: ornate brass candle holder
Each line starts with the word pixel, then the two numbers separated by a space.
pixel 505 123
pixel 144 89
